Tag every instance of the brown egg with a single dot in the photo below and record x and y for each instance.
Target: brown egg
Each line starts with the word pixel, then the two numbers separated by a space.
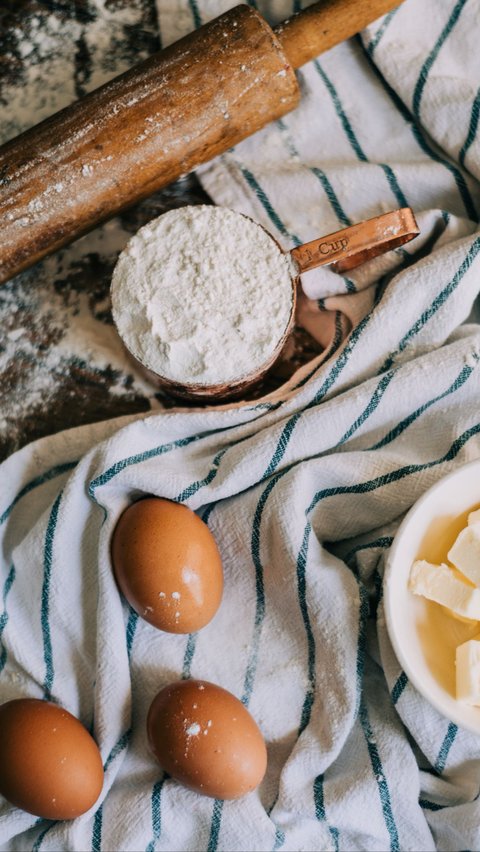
pixel 49 764
pixel 205 738
pixel 167 565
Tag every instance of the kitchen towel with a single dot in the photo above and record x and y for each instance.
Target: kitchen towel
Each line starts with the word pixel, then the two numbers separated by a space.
pixel 303 491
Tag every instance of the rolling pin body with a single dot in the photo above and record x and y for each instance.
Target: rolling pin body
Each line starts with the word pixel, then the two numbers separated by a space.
pixel 158 121
pixel 140 132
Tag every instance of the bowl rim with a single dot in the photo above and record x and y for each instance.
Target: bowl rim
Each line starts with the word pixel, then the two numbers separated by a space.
pixel 452 715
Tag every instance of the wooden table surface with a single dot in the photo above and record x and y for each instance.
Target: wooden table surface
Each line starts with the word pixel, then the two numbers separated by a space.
pixel 61 363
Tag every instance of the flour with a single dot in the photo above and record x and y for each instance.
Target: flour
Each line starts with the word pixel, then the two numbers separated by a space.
pixel 43 48
pixel 202 295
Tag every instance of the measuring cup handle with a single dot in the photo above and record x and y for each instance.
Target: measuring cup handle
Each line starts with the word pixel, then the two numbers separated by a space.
pixel 352 246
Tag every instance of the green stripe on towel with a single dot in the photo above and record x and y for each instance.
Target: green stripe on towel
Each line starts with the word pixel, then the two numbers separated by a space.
pixel 4 616
pixel 45 599
pixel 426 67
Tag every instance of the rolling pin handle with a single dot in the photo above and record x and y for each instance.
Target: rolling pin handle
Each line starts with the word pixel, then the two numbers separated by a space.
pixel 325 24
pixel 353 246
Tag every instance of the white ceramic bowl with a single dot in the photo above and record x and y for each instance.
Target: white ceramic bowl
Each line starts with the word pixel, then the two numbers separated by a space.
pixel 423 634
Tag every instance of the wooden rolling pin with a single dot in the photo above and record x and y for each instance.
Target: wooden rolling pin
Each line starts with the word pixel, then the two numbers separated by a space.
pixel 158 121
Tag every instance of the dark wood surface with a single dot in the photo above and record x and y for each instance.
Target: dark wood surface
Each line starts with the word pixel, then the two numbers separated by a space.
pixel 52 375
pixel 61 363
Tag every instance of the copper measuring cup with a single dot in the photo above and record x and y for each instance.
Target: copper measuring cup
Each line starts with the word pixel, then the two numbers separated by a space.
pixel 341 251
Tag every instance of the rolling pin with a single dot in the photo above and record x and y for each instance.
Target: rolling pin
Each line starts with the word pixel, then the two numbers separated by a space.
pixel 158 121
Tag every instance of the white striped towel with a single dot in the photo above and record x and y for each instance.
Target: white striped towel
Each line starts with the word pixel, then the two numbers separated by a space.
pixel 303 493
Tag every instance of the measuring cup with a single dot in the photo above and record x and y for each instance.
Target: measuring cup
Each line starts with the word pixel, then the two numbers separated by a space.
pixel 341 251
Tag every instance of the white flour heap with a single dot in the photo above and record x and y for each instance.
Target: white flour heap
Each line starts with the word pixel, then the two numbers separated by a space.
pixel 202 295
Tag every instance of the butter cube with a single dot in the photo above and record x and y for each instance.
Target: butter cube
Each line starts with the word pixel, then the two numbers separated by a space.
pixel 468 672
pixel 465 553
pixel 474 517
pixel 438 583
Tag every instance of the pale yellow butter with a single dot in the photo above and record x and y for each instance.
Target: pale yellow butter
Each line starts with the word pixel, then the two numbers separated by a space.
pixel 465 553
pixel 467 661
pixel 438 583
